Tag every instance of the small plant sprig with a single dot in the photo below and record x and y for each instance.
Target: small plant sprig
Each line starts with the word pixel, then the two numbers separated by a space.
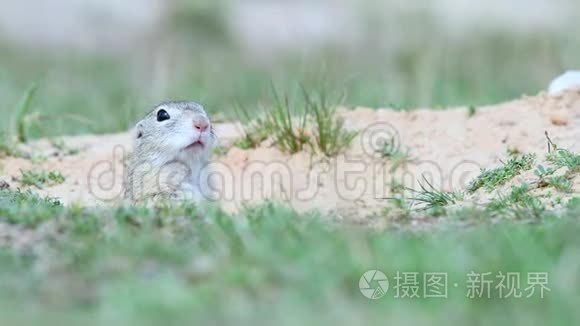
pixel 520 203
pixel 255 130
pixel 542 172
pixel 560 183
pixel 562 158
pixel 491 179
pixel 289 133
pixel 471 111
pixel 220 150
pixel 27 197
pixel 8 148
pixel 63 148
pixel 546 178
pixel 292 130
pixel 389 149
pixel 433 199
pixel 24 121
pixel 20 120
pixel 40 179
pixel 330 137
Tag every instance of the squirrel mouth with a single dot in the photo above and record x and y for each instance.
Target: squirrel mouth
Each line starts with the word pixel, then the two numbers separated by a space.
pixel 195 144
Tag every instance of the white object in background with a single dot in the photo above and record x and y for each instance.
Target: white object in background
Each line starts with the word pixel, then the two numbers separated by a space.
pixel 569 80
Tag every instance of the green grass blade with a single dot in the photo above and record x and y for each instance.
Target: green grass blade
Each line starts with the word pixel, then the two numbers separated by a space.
pixel 18 123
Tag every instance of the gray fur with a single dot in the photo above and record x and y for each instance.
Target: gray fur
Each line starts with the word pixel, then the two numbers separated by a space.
pixel 162 164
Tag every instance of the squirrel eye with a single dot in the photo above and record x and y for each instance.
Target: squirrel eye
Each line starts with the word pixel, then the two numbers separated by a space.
pixel 162 115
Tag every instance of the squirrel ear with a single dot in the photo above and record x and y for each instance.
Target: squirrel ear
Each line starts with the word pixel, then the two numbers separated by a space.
pixel 139 132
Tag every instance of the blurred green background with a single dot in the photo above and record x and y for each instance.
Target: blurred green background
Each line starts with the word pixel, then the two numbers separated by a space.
pixel 100 65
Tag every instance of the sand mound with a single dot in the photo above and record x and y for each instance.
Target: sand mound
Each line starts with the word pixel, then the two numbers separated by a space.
pixel 448 148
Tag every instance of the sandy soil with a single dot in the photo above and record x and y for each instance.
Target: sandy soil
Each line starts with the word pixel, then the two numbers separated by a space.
pixel 447 147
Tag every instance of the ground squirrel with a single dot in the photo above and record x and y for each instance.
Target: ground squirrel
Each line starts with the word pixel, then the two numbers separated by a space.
pixel 172 148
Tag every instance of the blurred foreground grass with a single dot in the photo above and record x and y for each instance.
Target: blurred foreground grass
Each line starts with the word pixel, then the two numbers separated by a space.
pixel 267 265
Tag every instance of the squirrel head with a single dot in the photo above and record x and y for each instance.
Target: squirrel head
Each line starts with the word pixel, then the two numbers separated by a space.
pixel 172 130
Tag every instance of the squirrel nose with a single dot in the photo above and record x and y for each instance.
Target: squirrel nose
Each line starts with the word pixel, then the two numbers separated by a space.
pixel 201 125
